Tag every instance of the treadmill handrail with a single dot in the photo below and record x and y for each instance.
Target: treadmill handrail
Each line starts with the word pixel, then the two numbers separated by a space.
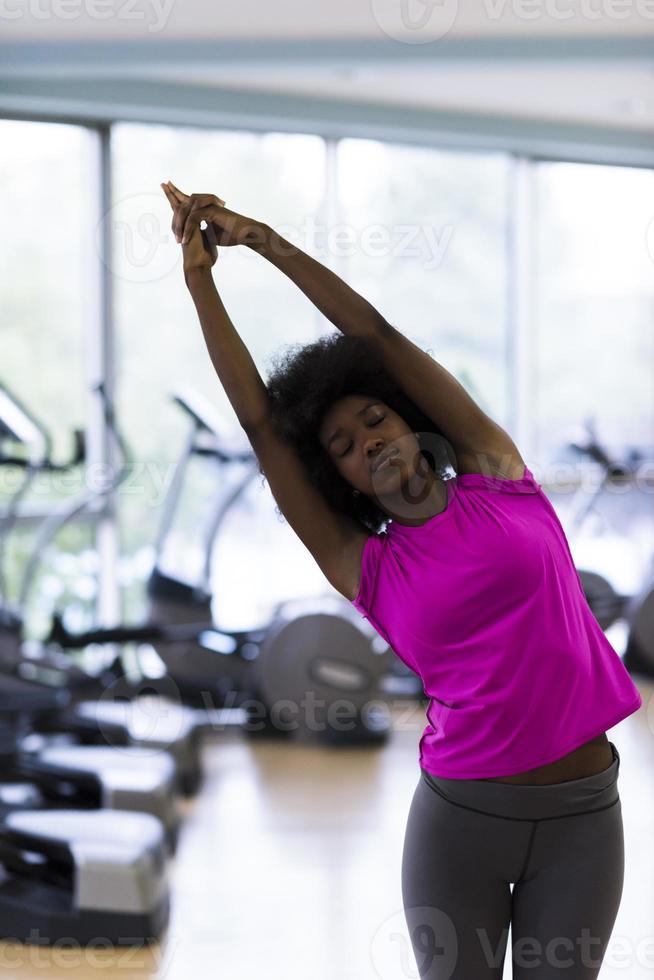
pixel 205 418
pixel 19 425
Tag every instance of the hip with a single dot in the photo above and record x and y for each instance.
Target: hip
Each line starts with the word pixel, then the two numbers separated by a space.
pixel 597 791
pixel 588 759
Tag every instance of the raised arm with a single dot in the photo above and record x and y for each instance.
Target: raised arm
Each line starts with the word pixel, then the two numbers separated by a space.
pixel 342 305
pixel 334 539
pixel 230 357
pixel 480 444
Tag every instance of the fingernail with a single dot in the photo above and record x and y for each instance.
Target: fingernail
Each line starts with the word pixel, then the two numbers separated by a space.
pixel 184 240
pixel 177 239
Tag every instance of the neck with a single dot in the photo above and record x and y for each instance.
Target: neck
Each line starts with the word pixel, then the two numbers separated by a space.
pixel 421 497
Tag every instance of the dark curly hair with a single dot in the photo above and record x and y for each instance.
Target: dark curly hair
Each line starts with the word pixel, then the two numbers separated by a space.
pixel 307 379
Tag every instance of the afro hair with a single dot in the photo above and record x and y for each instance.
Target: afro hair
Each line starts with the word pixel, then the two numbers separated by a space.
pixel 307 379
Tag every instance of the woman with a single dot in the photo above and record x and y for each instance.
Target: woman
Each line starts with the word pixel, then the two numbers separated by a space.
pixel 472 583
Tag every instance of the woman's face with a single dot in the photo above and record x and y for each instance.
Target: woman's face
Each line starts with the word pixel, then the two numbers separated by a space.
pixel 357 432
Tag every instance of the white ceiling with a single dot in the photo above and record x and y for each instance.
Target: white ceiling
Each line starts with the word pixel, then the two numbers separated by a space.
pixel 605 89
pixel 604 93
pixel 171 20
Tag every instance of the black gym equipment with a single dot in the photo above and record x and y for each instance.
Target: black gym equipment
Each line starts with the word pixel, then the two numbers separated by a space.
pixel 639 652
pixel 89 876
pixel 71 870
pixel 86 776
pixel 151 723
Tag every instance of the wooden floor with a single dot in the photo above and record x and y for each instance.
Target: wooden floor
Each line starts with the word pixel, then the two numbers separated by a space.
pixel 288 868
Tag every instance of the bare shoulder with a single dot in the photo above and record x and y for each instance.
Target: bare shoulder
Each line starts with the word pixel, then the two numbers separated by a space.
pixel 508 466
pixel 491 451
pixel 349 580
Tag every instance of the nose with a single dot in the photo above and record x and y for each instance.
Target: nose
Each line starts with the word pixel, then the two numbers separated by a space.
pixel 374 445
pixel 375 448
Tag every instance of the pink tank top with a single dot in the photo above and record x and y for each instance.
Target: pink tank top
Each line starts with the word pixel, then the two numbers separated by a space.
pixel 484 603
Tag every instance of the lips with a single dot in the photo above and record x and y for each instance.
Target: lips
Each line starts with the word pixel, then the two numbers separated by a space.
pixel 383 458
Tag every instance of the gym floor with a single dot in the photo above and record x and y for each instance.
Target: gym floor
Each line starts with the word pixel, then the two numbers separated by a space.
pixel 288 867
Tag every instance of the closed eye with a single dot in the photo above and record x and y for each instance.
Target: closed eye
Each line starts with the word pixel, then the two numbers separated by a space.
pixel 376 422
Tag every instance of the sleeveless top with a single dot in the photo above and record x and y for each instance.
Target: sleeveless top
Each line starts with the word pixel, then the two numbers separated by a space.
pixel 484 603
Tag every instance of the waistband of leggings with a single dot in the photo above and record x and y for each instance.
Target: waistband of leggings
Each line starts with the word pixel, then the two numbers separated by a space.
pixel 533 802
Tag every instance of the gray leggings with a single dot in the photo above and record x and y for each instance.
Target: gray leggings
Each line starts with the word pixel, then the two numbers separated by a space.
pixel 560 844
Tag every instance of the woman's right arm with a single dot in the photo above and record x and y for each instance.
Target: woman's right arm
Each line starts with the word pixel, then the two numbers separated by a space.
pixel 335 540
pixel 230 357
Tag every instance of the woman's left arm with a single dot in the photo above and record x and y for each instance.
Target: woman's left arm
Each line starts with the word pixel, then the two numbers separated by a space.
pixel 477 439
pixel 342 305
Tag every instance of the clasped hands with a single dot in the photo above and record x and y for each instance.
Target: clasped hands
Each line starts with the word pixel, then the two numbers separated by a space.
pixel 224 227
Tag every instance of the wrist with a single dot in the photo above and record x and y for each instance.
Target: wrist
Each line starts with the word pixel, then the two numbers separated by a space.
pixel 273 246
pixel 256 235
pixel 197 275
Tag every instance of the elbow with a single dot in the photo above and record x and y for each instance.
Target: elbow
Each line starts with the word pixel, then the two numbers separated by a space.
pixel 377 328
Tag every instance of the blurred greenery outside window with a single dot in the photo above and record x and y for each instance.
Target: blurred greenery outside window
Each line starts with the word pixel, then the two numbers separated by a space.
pixel 46 299
pixel 593 304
